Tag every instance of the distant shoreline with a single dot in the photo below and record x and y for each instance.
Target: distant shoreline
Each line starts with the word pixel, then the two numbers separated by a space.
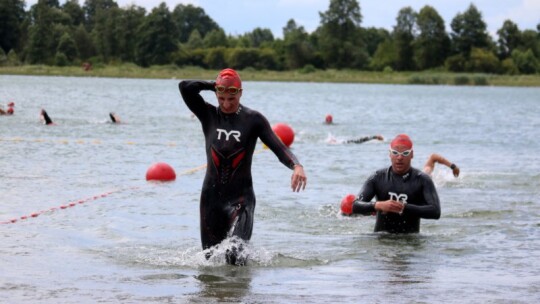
pixel 334 76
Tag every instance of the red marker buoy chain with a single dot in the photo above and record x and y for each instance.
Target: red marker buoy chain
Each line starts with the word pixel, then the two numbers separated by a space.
pixel 284 132
pixel 68 205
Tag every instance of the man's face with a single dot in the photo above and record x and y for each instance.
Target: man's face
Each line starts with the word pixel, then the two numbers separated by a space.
pixel 228 102
pixel 401 157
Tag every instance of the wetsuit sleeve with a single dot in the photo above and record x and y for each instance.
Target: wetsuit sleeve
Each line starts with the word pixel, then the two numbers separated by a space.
pixel 432 208
pixel 363 205
pixel 190 91
pixel 270 139
pixel 359 140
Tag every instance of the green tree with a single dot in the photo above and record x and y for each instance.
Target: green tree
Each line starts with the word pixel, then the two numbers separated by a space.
pixel 260 37
pixel 84 43
pixel 339 34
pixel 482 61
pixel 215 38
pixel 509 39
pixel 74 11
pixel 195 41
pixel 404 34
pixel 297 50
pixel 48 23
pixel 526 62
pixel 468 31
pixel 189 18
pixel 92 9
pixel 12 15
pixel 67 47
pixel 158 38
pixel 241 58
pixel 530 41
pixel 432 45
pixel 216 58
pixel 385 56
pixel 373 37
pixel 131 19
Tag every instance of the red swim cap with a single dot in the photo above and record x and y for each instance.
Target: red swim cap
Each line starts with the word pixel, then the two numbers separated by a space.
pixel 402 140
pixel 229 77
pixel 11 104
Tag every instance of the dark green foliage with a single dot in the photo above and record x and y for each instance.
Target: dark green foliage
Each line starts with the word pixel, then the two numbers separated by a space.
pixel 103 33
pixel 189 18
pixel 12 15
pixel 432 44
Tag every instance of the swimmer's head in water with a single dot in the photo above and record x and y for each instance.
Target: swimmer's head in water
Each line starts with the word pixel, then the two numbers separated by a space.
pixel 229 78
pixel 402 140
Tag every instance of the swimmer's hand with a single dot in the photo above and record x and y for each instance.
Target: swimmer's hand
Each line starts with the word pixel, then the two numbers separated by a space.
pixel 455 170
pixel 298 179
pixel 389 206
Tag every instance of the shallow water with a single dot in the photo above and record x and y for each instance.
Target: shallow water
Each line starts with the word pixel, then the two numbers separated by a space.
pixel 127 240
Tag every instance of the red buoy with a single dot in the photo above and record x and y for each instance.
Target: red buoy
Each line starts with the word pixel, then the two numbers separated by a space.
pixel 160 172
pixel 284 132
pixel 328 119
pixel 347 204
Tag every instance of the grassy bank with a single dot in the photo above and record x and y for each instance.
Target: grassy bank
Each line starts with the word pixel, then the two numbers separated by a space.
pixel 345 76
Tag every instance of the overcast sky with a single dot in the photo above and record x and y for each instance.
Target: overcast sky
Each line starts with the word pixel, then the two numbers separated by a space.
pixel 240 16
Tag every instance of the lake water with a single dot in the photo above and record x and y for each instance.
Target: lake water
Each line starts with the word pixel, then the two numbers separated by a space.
pixel 125 240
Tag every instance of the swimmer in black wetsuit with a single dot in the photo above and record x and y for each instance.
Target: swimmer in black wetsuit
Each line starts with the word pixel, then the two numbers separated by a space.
pixel 332 140
pixel 404 194
pixel 114 118
pixel 45 117
pixel 364 139
pixel 231 131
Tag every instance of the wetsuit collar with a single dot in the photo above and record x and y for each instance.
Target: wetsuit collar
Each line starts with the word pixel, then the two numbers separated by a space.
pixel 405 176
pixel 228 114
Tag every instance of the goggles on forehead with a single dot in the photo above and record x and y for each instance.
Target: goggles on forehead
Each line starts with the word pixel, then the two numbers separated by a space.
pixel 404 153
pixel 221 89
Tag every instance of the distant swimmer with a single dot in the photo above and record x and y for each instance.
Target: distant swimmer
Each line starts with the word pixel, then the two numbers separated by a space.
pixel 11 108
pixel 332 140
pixel 436 158
pixel 329 119
pixel 231 131
pixel 114 118
pixel 404 194
pixel 45 117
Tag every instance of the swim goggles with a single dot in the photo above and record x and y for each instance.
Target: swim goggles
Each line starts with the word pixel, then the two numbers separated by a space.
pixel 221 89
pixel 404 153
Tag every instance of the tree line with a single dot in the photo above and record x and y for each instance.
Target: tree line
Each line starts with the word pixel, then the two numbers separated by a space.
pixel 100 32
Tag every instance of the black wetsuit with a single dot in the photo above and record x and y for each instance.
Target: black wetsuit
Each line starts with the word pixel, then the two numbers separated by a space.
pixel 361 140
pixel 48 120
pixel 415 188
pixel 227 198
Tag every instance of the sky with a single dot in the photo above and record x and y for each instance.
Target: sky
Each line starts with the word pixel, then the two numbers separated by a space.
pixel 238 17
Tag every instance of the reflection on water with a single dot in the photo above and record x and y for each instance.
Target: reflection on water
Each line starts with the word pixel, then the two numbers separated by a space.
pixel 224 284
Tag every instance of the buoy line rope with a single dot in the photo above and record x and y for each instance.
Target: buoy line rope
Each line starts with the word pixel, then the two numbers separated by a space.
pixel 77 141
pixel 92 198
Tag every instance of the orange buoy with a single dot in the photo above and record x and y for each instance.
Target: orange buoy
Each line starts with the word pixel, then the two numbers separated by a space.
pixel 160 172
pixel 284 132
pixel 347 204
pixel 328 119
